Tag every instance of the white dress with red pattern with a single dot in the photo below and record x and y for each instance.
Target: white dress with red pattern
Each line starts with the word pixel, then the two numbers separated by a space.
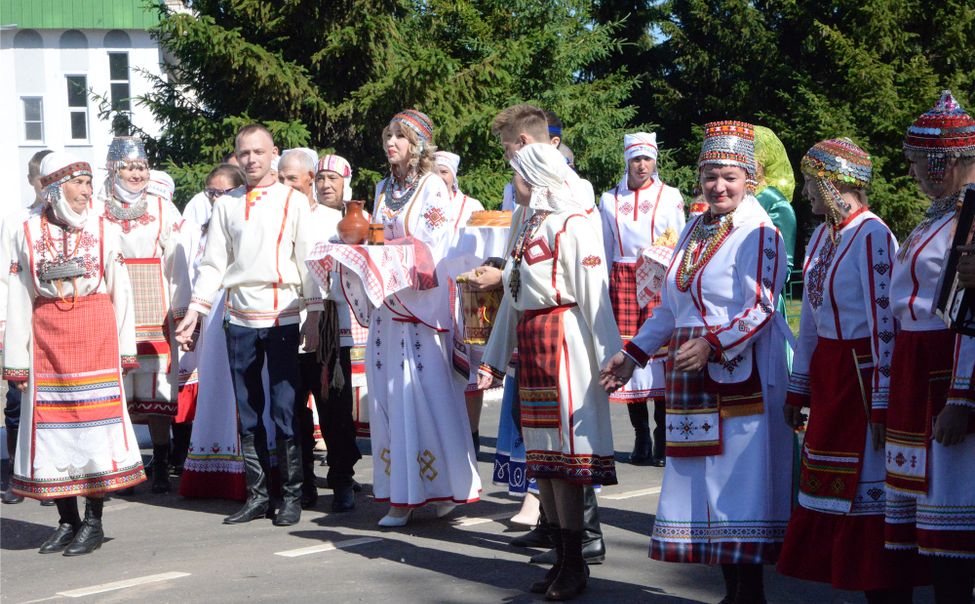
pixel 631 221
pixel 69 339
pixel 421 437
pixel 726 492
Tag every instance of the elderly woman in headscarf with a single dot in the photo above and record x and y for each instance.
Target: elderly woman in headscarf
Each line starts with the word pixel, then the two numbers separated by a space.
pixel 726 490
pixel 70 334
pixel 557 311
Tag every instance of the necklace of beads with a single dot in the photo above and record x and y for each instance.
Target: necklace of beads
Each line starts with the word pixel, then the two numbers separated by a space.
pixel 938 209
pixel 710 230
pixel 131 212
pixel 62 265
pixel 397 195
pixel 521 246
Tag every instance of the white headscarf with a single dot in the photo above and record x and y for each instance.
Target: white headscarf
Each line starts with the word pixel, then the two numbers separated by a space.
pixel 56 169
pixel 640 144
pixel 449 160
pixel 543 167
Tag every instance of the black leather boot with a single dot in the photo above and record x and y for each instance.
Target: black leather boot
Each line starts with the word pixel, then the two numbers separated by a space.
pixel 90 536
pixel 289 464
pixel 729 573
pixel 68 524
pixel 751 584
pixel 543 535
pixel 160 468
pixel 257 500
pixel 659 434
pixel 571 580
pixel 9 496
pixel 593 546
pixel 309 492
pixel 642 443
pixel 182 434
pixel 540 587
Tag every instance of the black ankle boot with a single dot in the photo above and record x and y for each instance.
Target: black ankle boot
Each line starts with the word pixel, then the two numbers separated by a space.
pixel 730 574
pixel 476 436
pixel 257 499
pixel 571 580
pixel 543 535
pixel 952 579
pixel 642 443
pixel 593 546
pixel 68 524
pixel 659 434
pixel 182 434
pixel 90 536
pixel 751 584
pixel 160 468
pixel 9 496
pixel 540 587
pixel 289 464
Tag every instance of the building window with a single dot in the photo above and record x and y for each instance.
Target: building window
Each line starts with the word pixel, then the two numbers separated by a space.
pixel 118 71
pixel 78 106
pixel 33 119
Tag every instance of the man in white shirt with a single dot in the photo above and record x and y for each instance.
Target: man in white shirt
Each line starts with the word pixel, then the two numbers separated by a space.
pixel 256 245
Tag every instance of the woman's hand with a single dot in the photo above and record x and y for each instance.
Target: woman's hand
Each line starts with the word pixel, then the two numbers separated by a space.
pixel 794 417
pixel 617 372
pixel 951 425
pixel 692 355
pixel 482 278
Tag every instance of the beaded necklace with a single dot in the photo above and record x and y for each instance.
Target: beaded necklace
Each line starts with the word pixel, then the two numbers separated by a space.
pixel 397 195
pixel 131 212
pixel 61 265
pixel 938 209
pixel 520 247
pixel 710 229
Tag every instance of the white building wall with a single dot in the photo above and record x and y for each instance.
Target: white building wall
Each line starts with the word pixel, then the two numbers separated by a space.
pixel 28 71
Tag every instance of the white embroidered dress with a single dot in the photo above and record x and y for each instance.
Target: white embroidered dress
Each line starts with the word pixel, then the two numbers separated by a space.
pixel 631 221
pixel 732 507
pixel 421 437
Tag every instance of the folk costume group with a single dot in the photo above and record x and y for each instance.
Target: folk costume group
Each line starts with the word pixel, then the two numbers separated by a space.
pixel 626 300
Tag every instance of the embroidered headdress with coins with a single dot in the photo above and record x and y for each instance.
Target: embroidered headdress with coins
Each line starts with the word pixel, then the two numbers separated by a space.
pixel 944 131
pixel 125 151
pixel 730 143
pixel 836 161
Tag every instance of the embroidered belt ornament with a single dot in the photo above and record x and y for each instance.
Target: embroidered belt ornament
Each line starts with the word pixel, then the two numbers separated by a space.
pixel 712 231
pixel 58 270
pixel 521 246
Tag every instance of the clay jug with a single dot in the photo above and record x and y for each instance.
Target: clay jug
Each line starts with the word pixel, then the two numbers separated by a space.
pixel 354 227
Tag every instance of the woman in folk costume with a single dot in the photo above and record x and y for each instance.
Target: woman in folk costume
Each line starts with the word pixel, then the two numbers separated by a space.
pixel 725 496
pixel 420 432
pixel 70 332
pixel 465 357
pixel 841 372
pixel 638 211
pixel 931 414
pixel 557 311
pixel 150 226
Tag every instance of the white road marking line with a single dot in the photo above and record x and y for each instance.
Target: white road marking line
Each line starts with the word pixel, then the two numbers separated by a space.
pixel 47 599
pixel 631 494
pixel 97 589
pixel 474 521
pixel 326 547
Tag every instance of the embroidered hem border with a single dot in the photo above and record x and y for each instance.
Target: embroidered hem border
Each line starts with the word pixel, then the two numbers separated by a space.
pixel 743 542
pixel 92 484
pixel 576 469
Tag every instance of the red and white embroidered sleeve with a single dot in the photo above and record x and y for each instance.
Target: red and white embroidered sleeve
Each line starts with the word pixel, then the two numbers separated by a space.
pixel 961 391
pixel 879 249
pixel 759 273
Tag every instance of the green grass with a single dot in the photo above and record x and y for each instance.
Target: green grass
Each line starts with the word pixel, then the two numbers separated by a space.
pixel 793 308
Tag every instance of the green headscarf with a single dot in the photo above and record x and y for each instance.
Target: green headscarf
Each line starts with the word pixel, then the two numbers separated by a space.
pixel 770 154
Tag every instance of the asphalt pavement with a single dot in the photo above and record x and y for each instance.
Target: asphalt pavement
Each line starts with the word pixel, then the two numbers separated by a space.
pixel 163 548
